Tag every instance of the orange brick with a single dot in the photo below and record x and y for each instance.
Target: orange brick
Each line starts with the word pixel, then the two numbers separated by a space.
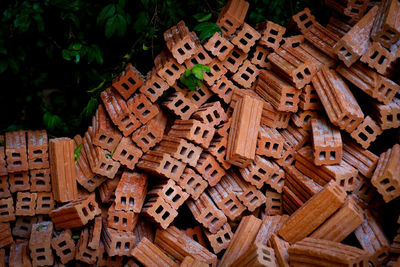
pixel 121 220
pixel 128 81
pixel 118 111
pixel 180 105
pixel 221 239
pixel 19 181
pixel 273 203
pixel 272 34
pixel 127 153
pixel 161 164
pixel 209 168
pixel 16 151
pixel 245 37
pixel 4 187
pixel 106 135
pixel 150 134
pixel 154 86
pixel 303 20
pixel 217 148
pixel 234 60
pixel 151 255
pixel 302 118
pixel 192 183
pixel 351 8
pixel 131 191
pixel 260 57
pixel 44 203
pixel 211 113
pixel 366 132
pixel 39 244
pixel 19 255
pixel 38 157
pixel 64 246
pixel 193 130
pixel 5 236
pixel 232 16
pixel 200 57
pixel 158 210
pixel 117 242
pixel 309 99
pixel 217 71
pixel 3 162
pixel 142 108
pixel 379 58
pixel 105 260
pixel 170 192
pixel 196 233
pixel 23 226
pixel 387 30
pixel 167 67
pixel 180 149
pixel 107 189
pixel 246 74
pixel 340 25
pixel 270 142
pixel 83 252
pixel 180 42
pixel 387 116
pixel 218 46
pixel 198 97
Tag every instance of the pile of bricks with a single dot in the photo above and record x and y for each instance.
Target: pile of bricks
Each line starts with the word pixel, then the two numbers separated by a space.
pixel 268 163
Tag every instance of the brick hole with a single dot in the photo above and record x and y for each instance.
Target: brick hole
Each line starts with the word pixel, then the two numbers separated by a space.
pixel 209 118
pixel 374 55
pixel 308 24
pixel 127 245
pixel 229 22
pixel 217 43
pixel 332 155
pixel 245 76
pixel 183 151
pixel 227 237
pixel 131 201
pixel 256 177
pixel 398 116
pixel 151 91
pixel 275 147
pixel 62 244
pixel 388 92
pixel 266 258
pixel 290 96
pixel 123 152
pixel 385 181
pixel 288 158
pixel 190 154
pixel 248 36
pixel 355 10
pixel 190 181
pixel 231 60
pixel 165 215
pixel 176 198
pixel 228 91
pixel 214 221
pixel 169 191
pixel 194 61
pixel 271 39
pixel 234 208
pixel 342 182
pixel 205 133
pixel 37 151
pixel 159 209
pixel 229 202
pixel 180 51
pixel 26 199
pixel 201 56
pixel 116 219
pixel 109 167
pixel 175 67
pixel 145 113
pixel 196 186
pixel 19 182
pixel 131 81
pixel 124 221
pixel 196 130
pixel 144 140
pixel 363 136
pixel 300 76
pixel 125 86
pixel 303 17
pixel 223 49
pixel 260 55
pixel 187 46
pixel 174 169
pixel 46 198
pixel 208 216
pixel 156 85
pixel 390 188
pixel 169 72
pixel 253 200
pixel 185 108
pixel 66 251
pixel 91 206
pixel 288 103
pixel 123 200
pixel 208 167
pixel 141 105
pixel 118 245
pixel 369 129
pixel 307 71
pixel 16 155
pixel 216 68
pixel 87 255
pixel 166 165
pixel 221 150
pixel 178 103
pixel 243 41
pixel 322 155
pixel 267 145
pixel 219 240
pixel 350 181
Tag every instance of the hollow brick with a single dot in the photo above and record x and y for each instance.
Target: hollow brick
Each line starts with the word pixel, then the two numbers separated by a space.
pixel 39 244
pixel 366 132
pixel 272 34
pixel 167 67
pixel 143 109
pixel 209 168
pixel 127 153
pixel 16 151
pixel 4 187
pixel 246 74
pixel 131 191
pixel 83 252
pixel 170 192
pixel 218 46
pixel 7 212
pixel 211 113
pixel 386 30
pixel 150 254
pixel 197 97
pixel 118 243
pixel 196 233
pixel 280 248
pixel 159 211
pixel 192 183
pixel 180 149
pixel 19 181
pixel 193 130
pixel 106 135
pixel 38 157
pixel 379 58
pixel 180 105
pixel 19 254
pixel 257 254
pixel 350 8
pixel 105 260
pixel 217 70
pixel 154 86
pixel 245 37
pixel 302 118
pixel 234 60
pixel 44 203
pixel 107 189
pixel 303 20
pixel 23 226
pixel 260 57
pixel 270 142
pixel 232 16
pixel 64 246
pixel 128 81
pixel 221 239
pixel 217 148
pixel 309 99
pixel 200 57
pixel 121 220
pixel 387 116
pixel 5 235
pixel 273 203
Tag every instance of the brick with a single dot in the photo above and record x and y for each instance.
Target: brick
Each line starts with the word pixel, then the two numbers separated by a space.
pixel 19 181
pixel 350 8
pixel 232 16
pixel 224 89
pixel 217 71
pixel 260 57
pixel 162 165
pixel 118 111
pixel 303 118
pixel 127 153
pixel 386 30
pixel 273 203
pixel 245 37
pixel 192 183
pixel 217 148
pixel 3 162
pixel 84 175
pixel 270 225
pixel 263 171
pixel 143 109
pixel 105 260
pixel 280 248
pixel 167 67
pixel 150 134
pixel 338 101
pixel 196 233
pixel 370 82
pixel 170 192
pixel 309 99
pixel 5 236
pixel 154 86
pixel 326 253
pixel 386 176
pixel 221 239
pixel 193 130
pixel 107 189
pixel 246 74
pixel 372 239
pixel 223 129
pixel 342 223
pixel 366 132
pixel 190 261
pixel 343 173
pixel 181 43
pixel 4 187
pixel 25 204
pixel 128 81
pixel 234 60
pixel 276 91
pixel 19 255
pixel 180 149
pixel 143 230
pixel 38 157
pixel 327 142
pixel 363 189
pixel 257 254
pixel 379 58
pixel 40 180
pixel 150 254
pixel 361 159
pixel 242 240
pixel 211 113
pixel 356 41
pixel 121 220
pixel 295 136
pixel 294 67
pixel 340 25
pixel 7 212
pixel 117 243
pixel 387 116
pixel 177 244
pixel 198 97
pixel 288 155
pixel 39 244
pixel 158 210
pixel 100 160
pixel 62 168
pixel 23 226
pixel 95 232
pixel 218 46
pixel 106 135
pixel 180 105
pixel 200 57
pixel 224 196
pixel 131 191
pixel 209 168
pixel 83 252
pixel 246 120
pixel 76 213
pixel 270 142
pixel 313 213
pixel 64 246
pixel 272 34
pixel 44 202
pixel 206 213
pixel 16 151
pixel 303 20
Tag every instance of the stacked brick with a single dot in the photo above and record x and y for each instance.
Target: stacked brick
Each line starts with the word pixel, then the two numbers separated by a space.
pixel 275 160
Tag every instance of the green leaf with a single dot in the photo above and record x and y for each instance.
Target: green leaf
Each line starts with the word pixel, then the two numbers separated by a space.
pixel 39 21
pixel 90 108
pixel 121 28
pixel 201 17
pixel 197 72
pixel 141 22
pixel 207 29
pixel 3 65
pixel 115 23
pixel 109 155
pixel 77 152
pixel 145 47
pixel 66 54
pixel 97 88
pixel 145 3
pixel 75 237
pixel 107 12
pixel 40 227
pixel 76 46
pixel 52 121
pixel 204 68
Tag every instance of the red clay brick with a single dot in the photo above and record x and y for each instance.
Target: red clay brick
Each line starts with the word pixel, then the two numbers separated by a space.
pixel 198 97
pixel 217 71
pixel 158 210
pixel 217 148
pixel 167 67
pixel 201 57
pixel 379 58
pixel 4 187
pixel 366 132
pixel 5 236
pixel 16 151
pixel 127 153
pixel 218 46
pixel 149 254
pixel 260 57
pixel 170 192
pixel 232 16
pixel 39 244
pixel 209 168
pixel 246 75
pixel 64 246
pixel 180 149
pixel 3 163
pixel 193 130
pixel 44 203
pixel 387 116
pixel 150 134
pixel 309 99
pixel 83 252
pixel 350 8
pixel 180 105
pixel 107 189
pixel 38 157
pixel 302 118
pixel 142 108
pixel 23 226
pixel 245 37
pixel 128 81
pixel 272 34
pixel 192 183
pixel 196 233
pixel 105 260
pixel 386 30
pixel 154 86
pixel 106 135
pixel 221 239
pixel 19 255
pixel 19 181
pixel 211 113
pixel 234 60
pixel 270 142
pixel 273 203
pixel 303 20
pixel 121 220
pixel 131 191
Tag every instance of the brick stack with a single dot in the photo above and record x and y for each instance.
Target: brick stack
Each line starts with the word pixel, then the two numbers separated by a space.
pixel 272 161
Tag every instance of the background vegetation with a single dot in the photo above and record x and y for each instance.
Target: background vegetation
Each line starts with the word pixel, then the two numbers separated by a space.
pixel 57 55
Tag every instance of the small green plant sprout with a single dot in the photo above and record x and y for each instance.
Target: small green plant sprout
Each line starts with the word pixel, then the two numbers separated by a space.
pixel 109 155
pixel 77 152
pixel 40 227
pixel 75 237
pixel 193 78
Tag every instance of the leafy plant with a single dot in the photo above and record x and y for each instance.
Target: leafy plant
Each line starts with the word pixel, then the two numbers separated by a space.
pixel 75 237
pixel 193 78
pixel 206 29
pixel 77 152
pixel 109 155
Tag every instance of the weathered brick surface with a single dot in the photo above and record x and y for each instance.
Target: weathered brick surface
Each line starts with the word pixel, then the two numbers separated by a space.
pixel 386 30
pixel 180 149
pixel 270 142
pixel 121 220
pixel 106 135
pixel 150 134
pixel 167 67
pixel 221 239
pixel 158 210
pixel 19 181
pixel 143 109
pixel 232 16
pixel 5 235
pixel 127 153
pixel 209 169
pixel 4 187
pixel 44 202
pixel 234 60
pixel 19 254
pixel 64 246
pixel 38 157
pixel 379 58
pixel 193 130
pixel 151 255
pixel 39 244
pixel 83 252
pixel 25 204
pixel 117 243
pixel 131 191
pixel 351 8
pixel 309 99
pixel 16 152
pixel 366 132
pixel 272 34
pixel 246 74
pixel 245 37
pixel 192 183
pixel 218 46
pixel 303 118
pixel 154 86
pixel 128 81
pixel 170 192
pixel 218 149
pixel 181 106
